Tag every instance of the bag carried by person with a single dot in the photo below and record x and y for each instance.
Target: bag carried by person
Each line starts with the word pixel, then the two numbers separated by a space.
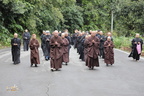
pixel 138 48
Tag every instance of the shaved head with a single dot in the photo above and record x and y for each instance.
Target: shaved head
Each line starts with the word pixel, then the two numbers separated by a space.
pixel 56 33
pixel 109 38
pixel 101 32
pixel 26 30
pixel 93 33
pixel 137 35
pixel 109 34
pixel 63 35
pixel 34 36
pixel 15 35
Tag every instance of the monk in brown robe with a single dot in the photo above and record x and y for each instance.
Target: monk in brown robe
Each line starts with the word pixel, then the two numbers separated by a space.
pixel 56 51
pixel 92 44
pixel 108 51
pixel 65 49
pixel 34 45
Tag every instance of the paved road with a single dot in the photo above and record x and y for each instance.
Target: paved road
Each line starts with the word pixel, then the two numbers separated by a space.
pixel 125 78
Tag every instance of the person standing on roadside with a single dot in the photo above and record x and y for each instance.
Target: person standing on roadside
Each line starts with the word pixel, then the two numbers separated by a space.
pixel 137 43
pixel 26 39
pixel 15 49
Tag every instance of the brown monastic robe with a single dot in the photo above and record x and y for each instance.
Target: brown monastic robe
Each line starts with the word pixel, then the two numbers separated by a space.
pixel 92 52
pixel 109 53
pixel 65 50
pixel 34 45
pixel 56 52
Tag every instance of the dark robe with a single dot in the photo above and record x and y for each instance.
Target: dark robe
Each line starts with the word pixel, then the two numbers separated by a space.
pixel 78 44
pixel 46 41
pixel 82 48
pixel 42 42
pixel 93 52
pixel 82 51
pixel 34 57
pixel 15 49
pixel 26 39
pixel 72 41
pixel 75 39
pixel 56 52
pixel 65 50
pixel 69 39
pixel 109 53
pixel 98 35
pixel 134 52
pixel 102 40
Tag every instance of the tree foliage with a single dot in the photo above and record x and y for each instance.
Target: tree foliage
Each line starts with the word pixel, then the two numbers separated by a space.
pixel 38 15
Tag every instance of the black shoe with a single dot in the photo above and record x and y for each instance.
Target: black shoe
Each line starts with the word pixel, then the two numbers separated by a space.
pixel 92 68
pixel 66 64
pixel 106 64
pixel 52 69
pixel 36 65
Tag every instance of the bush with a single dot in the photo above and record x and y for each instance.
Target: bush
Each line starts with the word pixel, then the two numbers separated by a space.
pixel 122 41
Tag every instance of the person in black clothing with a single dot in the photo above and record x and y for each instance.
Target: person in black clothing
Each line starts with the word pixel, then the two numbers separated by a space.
pixel 68 38
pixel 46 40
pixel 75 38
pixel 15 49
pixel 136 52
pixel 26 39
pixel 98 34
pixel 42 42
pixel 102 40
pixel 82 40
pixel 60 33
pixel 79 42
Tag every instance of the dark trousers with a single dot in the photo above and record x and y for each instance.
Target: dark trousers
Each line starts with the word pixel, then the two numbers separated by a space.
pixel 26 45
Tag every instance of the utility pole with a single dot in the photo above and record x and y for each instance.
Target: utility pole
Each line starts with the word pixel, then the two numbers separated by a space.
pixel 112 20
pixel 112 15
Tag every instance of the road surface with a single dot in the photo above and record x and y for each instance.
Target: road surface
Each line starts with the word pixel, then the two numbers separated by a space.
pixel 124 78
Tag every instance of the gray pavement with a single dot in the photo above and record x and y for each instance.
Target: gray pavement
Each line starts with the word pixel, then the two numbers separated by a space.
pixel 124 78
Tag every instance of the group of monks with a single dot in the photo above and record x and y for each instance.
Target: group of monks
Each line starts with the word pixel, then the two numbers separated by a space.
pixel 56 47
pixel 92 45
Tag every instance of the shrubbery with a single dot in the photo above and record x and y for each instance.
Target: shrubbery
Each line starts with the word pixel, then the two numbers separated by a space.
pixel 122 41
